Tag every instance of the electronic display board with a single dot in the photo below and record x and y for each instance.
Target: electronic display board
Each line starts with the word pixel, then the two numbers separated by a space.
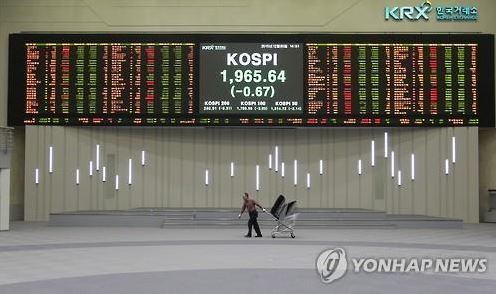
pixel 240 78
pixel 251 80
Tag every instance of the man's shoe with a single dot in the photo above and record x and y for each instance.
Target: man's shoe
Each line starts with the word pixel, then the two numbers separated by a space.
pixel 258 236
pixel 247 236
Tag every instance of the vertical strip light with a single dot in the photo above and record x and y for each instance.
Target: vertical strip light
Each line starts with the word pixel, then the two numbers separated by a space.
pixel 104 174
pixel 130 172
pixel 143 158
pixel 321 167
pixel 257 177
pixel 412 166
pixel 90 168
pixel 392 164
pixel 282 169
pixel 372 153
pixel 385 145
pixel 232 169
pixel 270 161
pixel 276 159
pixel 37 176
pixel 446 167
pixel 308 180
pixel 206 177
pixel 359 167
pixel 97 157
pixel 453 149
pixel 50 159
pixel 399 178
pixel 77 176
pixel 116 182
pixel 295 172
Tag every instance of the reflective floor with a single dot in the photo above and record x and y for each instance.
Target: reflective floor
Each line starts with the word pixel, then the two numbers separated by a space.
pixel 36 258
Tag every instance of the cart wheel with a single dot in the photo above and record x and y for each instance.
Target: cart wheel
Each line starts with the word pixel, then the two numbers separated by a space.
pixel 292 235
pixel 273 235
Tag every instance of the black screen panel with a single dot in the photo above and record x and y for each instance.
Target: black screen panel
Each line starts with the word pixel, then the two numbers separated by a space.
pixel 252 80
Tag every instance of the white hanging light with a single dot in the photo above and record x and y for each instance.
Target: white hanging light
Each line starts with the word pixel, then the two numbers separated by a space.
pixel 386 145
pixel 372 153
pixel 257 177
pixel 37 176
pixel 50 159
pixel 412 166
pixel 104 174
pixel 295 172
pixel 276 159
pixel 453 149
pixel 97 157
pixel 130 172
pixel 392 164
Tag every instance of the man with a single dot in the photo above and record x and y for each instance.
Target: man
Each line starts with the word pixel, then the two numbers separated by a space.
pixel 251 204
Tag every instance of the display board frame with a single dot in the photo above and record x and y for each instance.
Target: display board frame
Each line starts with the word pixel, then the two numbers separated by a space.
pixel 17 71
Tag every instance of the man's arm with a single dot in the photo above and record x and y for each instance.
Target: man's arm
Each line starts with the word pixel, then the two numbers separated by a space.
pixel 242 210
pixel 257 204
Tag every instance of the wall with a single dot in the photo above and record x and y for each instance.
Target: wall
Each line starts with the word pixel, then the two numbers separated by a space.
pixel 4 198
pixel 210 15
pixel 17 173
pixel 176 160
pixel 487 170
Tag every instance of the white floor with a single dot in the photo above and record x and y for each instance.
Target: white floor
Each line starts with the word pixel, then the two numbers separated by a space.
pixel 35 258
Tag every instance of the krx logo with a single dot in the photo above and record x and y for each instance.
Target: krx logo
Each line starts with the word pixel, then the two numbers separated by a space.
pixel 408 12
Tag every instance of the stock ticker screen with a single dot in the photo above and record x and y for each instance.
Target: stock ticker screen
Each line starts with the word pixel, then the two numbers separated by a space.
pixel 251 80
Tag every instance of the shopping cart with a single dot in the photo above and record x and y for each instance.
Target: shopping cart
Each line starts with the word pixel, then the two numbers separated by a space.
pixel 284 214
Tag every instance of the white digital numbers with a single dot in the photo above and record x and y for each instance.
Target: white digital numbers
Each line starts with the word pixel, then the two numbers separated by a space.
pixel 255 75
pixel 251 78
